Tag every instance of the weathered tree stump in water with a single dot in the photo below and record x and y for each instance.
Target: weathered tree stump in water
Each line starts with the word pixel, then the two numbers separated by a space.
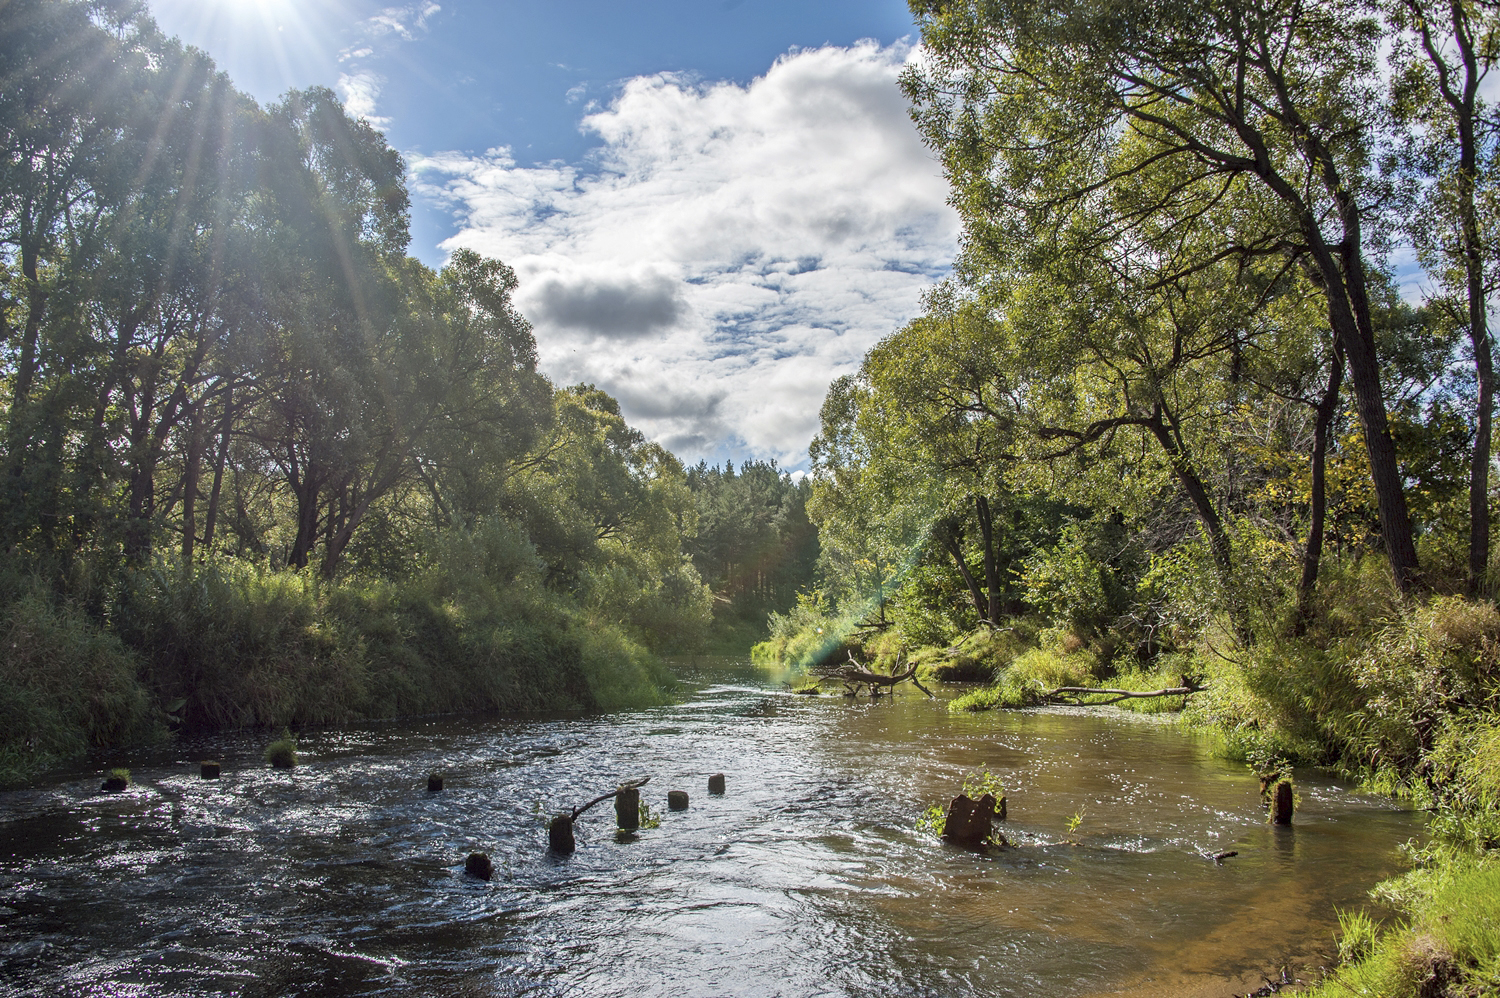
pixel 716 784
pixel 478 865
pixel 677 800
pixel 628 808
pixel 560 834
pixel 434 783
pixel 114 784
pixel 971 822
pixel 208 770
pixel 1282 803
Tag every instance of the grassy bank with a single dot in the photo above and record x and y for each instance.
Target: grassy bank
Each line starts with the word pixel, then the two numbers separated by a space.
pixel 229 645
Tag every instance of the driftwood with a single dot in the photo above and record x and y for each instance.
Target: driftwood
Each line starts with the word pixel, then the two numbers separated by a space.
pixel 853 674
pixel 1075 694
pixel 627 785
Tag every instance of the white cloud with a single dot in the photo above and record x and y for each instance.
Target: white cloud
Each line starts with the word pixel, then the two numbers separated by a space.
pixel 361 86
pixel 361 92
pixel 726 251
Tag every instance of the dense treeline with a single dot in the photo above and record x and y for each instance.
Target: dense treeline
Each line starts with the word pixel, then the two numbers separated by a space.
pixel 1172 422
pixel 257 464
pixel 754 546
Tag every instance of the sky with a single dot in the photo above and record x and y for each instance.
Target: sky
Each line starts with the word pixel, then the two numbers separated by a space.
pixel 714 207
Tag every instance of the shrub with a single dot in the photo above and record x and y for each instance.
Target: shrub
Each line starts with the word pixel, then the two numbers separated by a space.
pixel 282 753
pixel 66 686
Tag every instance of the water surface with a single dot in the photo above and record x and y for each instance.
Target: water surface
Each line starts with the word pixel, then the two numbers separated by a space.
pixel 345 876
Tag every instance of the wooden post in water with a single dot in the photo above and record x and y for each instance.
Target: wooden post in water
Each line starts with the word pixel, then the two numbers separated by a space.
pixel 478 865
pixel 560 830
pixel 1282 803
pixel 208 770
pixel 434 783
pixel 716 784
pixel 560 834
pixel 677 800
pixel 628 809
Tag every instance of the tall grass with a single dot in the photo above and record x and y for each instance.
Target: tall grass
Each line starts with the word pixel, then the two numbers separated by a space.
pixel 65 686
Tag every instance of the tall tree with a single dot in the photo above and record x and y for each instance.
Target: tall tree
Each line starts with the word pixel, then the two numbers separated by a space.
pixel 1444 54
pixel 1050 119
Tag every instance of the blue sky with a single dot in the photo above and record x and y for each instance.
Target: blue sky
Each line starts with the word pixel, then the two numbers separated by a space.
pixel 715 207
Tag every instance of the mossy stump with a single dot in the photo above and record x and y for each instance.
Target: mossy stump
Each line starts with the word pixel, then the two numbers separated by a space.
pixel 1282 803
pixel 677 800
pixel 282 753
pixel 716 784
pixel 628 809
pixel 560 834
pixel 208 770
pixel 434 783
pixel 478 865
pixel 116 781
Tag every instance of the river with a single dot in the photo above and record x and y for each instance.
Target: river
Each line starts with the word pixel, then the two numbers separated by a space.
pixel 807 878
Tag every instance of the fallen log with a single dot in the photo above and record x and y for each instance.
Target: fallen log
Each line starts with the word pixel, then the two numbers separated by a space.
pixel 854 673
pixel 1075 694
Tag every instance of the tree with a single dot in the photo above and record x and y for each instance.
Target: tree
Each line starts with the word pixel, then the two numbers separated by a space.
pixel 1049 119
pixel 1445 54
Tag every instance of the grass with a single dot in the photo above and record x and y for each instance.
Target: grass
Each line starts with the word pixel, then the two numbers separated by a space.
pixel 282 753
pixel 1448 943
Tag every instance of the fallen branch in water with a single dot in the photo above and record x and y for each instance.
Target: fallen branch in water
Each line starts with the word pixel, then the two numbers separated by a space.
pixel 627 785
pixel 855 674
pixel 1077 693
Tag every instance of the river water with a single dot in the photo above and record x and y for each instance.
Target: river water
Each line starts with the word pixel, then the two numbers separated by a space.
pixel 345 876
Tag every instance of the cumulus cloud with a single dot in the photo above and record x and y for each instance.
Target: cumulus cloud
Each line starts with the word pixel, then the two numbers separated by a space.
pixel 726 251
pixel 361 92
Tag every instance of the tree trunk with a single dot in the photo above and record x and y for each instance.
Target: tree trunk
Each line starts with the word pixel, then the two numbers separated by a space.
pixel 991 567
pixel 1318 500
pixel 211 517
pixel 191 470
pixel 955 551
pixel 1197 492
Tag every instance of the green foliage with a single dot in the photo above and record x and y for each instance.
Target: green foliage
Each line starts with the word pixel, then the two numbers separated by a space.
pixel 932 821
pixel 282 753
pixel 981 782
pixel 1356 936
pixel 754 545
pixel 65 686
pixel 119 773
pixel 648 817
pixel 1447 944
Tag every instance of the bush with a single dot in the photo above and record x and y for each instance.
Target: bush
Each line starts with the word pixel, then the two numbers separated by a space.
pixel 66 686
pixel 282 753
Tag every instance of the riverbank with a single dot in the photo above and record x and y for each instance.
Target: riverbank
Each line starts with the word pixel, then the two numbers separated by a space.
pixel 227 646
pixel 1401 695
